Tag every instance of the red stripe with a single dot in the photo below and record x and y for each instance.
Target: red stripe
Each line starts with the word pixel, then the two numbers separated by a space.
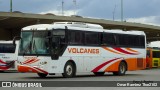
pixel 41 70
pixel 123 51
pixel 33 61
pixel 29 61
pixel 9 65
pixel 2 62
pixel 102 65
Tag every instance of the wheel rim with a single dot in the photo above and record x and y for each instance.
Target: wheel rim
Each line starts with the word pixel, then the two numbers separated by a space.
pixel 69 70
pixel 122 68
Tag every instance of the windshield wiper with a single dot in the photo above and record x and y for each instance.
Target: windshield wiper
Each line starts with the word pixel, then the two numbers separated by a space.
pixel 28 47
pixel 35 48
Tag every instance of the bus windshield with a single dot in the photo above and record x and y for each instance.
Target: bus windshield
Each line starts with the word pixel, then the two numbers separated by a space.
pixel 34 42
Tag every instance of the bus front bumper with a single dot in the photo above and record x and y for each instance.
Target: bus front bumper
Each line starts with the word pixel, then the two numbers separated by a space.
pixel 33 69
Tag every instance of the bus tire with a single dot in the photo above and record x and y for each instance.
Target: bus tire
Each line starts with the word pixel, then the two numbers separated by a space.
pixel 42 75
pixel 121 69
pixel 99 73
pixel 69 70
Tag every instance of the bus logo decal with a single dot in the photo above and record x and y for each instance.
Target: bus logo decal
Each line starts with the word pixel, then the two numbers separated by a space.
pixel 104 64
pixel 83 50
pixel 110 50
pixel 122 51
pixel 30 61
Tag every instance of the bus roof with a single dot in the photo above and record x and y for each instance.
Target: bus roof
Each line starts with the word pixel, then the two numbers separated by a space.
pixel 78 26
pixel 155 44
pixel 7 42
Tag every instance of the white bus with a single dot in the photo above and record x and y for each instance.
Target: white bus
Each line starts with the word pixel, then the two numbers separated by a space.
pixel 8 55
pixel 74 47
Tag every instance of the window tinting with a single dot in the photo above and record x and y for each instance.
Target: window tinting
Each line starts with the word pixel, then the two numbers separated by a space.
pixel 108 39
pixel 133 41
pixel 142 41
pixel 92 38
pixel 76 37
pixel 7 48
pixel 126 40
pixel 122 40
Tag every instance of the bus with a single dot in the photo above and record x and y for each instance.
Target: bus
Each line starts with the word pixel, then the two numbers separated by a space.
pixel 75 47
pixel 153 54
pixel 8 55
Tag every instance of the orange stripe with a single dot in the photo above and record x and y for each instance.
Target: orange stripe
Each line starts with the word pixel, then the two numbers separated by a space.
pixel 111 50
pixel 113 67
pixel 129 49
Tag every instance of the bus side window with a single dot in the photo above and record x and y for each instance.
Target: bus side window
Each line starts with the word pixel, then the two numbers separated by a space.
pixel 92 38
pixel 76 37
pixel 108 39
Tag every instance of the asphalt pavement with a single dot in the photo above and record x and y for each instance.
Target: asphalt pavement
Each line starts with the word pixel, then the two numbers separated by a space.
pixel 140 75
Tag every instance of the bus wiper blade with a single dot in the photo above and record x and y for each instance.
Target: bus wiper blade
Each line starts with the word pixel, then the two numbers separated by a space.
pixel 28 47
pixel 34 47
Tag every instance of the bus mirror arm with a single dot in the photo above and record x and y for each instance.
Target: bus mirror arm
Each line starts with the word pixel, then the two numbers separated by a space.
pixel 16 38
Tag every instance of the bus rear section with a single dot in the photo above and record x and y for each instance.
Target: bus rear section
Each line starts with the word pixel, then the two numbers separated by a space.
pixel 69 48
pixel 8 55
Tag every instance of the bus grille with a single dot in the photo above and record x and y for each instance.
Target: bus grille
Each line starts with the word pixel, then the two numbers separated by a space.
pixel 140 62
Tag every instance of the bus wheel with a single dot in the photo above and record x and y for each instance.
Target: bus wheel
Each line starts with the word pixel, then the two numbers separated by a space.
pixel 69 70
pixel 42 75
pixel 121 70
pixel 99 73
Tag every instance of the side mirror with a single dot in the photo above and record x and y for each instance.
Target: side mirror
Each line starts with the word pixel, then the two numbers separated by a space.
pixel 54 56
pixel 16 38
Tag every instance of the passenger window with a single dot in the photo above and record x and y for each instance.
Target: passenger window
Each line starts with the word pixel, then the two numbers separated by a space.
pixel 76 37
pixel 92 38
pixel 108 39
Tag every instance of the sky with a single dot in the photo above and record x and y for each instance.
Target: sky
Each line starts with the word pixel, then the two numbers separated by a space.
pixel 140 11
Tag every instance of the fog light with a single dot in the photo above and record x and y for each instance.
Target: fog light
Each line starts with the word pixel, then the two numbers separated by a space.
pixel 45 62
